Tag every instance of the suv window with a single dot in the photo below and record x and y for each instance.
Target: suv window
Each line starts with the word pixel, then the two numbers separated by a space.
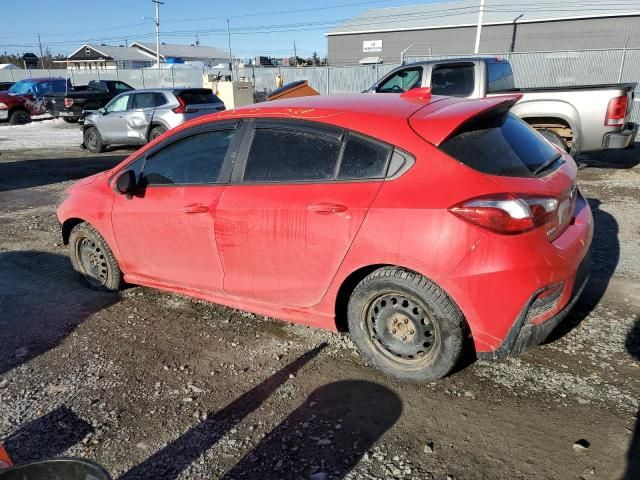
pixel 118 104
pixel 148 100
pixel 501 144
pixel 192 160
pixel 499 76
pixel 363 158
pixel 281 154
pixel 452 80
pixel 196 96
pixel 402 81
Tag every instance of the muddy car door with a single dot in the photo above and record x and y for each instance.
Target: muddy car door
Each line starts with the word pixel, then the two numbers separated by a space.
pixel 140 116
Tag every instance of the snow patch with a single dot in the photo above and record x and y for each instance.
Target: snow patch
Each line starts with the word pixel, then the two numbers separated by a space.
pixel 40 134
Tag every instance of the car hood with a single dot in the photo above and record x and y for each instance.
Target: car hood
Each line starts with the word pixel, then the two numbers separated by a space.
pixel 91 179
pixel 5 97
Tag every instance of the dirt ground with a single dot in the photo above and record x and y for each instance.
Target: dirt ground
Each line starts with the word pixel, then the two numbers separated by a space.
pixel 158 386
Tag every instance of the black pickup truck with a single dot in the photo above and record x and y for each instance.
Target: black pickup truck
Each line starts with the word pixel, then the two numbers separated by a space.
pixel 71 106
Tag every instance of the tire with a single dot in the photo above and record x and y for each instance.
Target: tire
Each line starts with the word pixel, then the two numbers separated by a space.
pixel 19 117
pixel 92 258
pixel 93 140
pixel 156 132
pixel 405 325
pixel 70 119
pixel 554 138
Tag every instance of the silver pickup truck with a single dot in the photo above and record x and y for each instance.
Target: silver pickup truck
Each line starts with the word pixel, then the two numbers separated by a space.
pixel 579 119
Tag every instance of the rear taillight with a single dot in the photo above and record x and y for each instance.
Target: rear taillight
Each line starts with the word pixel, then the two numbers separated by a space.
pixel 182 108
pixel 509 214
pixel 616 111
pixel 68 102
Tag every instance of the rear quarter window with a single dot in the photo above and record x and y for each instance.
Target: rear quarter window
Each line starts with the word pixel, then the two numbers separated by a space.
pixel 198 96
pixel 500 144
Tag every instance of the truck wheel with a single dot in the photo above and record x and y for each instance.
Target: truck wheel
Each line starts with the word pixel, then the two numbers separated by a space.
pixel 70 119
pixel 92 258
pixel 156 132
pixel 405 325
pixel 19 117
pixel 554 138
pixel 93 140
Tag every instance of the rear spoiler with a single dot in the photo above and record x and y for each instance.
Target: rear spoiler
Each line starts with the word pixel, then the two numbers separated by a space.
pixel 436 122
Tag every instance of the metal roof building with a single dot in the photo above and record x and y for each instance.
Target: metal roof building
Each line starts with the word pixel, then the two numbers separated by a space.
pixel 508 25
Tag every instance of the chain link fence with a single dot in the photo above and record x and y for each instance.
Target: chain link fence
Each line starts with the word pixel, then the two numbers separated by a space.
pixel 531 69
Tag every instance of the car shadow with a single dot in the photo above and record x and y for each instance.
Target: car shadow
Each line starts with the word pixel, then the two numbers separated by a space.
pixel 19 174
pixel 326 436
pixel 169 462
pixel 623 159
pixel 605 255
pixel 42 300
pixel 47 437
pixel 633 457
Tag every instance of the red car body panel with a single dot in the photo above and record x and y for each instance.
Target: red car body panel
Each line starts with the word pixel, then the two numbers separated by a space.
pixel 286 250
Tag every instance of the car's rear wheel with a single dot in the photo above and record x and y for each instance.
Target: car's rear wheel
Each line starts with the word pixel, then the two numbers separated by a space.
pixel 92 258
pixel 554 138
pixel 156 132
pixel 19 117
pixel 93 140
pixel 405 325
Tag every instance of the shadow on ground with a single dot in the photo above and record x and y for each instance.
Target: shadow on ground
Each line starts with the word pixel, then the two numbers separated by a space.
pixel 326 436
pixel 47 437
pixel 42 300
pixel 619 158
pixel 19 174
pixel 605 255
pixel 633 457
pixel 169 462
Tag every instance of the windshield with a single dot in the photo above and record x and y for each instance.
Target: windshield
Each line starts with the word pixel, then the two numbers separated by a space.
pixel 22 87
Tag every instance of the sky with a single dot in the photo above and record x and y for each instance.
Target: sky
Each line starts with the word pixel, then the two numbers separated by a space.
pixel 258 27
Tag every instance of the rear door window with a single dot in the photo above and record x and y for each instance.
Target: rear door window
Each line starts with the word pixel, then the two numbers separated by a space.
pixel 290 155
pixel 402 81
pixel 194 160
pixel 501 144
pixel 453 80
pixel 148 100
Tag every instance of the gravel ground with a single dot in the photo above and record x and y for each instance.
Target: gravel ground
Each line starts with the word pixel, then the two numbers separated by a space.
pixel 155 385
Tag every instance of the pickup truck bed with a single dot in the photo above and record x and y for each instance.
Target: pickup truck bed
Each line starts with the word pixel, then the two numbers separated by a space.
pixel 72 105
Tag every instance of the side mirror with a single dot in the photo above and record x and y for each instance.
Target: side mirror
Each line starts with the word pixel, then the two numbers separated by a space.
pixel 126 182
pixel 102 111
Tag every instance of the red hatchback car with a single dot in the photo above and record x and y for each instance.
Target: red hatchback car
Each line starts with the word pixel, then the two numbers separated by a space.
pixel 419 224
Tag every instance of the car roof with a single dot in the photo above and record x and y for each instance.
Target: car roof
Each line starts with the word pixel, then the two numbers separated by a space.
pixel 454 60
pixel 43 79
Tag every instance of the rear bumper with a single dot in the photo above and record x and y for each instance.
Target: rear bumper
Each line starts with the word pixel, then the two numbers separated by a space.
pixel 524 335
pixel 621 139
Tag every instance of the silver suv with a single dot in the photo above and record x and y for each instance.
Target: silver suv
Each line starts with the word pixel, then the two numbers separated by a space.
pixel 137 117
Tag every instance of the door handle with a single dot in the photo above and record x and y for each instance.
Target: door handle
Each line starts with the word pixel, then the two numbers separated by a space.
pixel 327 208
pixel 195 208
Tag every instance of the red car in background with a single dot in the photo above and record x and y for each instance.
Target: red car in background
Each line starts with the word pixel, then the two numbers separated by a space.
pixel 419 224
pixel 25 98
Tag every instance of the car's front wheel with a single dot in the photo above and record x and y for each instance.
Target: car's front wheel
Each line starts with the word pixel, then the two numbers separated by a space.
pixel 405 325
pixel 92 258
pixel 93 140
pixel 19 117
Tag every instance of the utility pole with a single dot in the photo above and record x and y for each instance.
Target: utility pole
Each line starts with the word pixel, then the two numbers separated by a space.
pixel 230 55
pixel 41 57
pixel 295 53
pixel 158 3
pixel 479 29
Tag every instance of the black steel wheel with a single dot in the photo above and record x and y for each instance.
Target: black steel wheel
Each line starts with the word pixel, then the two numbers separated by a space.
pixel 401 327
pixel 405 325
pixel 19 117
pixel 92 258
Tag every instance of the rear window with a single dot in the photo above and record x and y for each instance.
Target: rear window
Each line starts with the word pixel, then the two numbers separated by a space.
pixel 198 96
pixel 502 144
